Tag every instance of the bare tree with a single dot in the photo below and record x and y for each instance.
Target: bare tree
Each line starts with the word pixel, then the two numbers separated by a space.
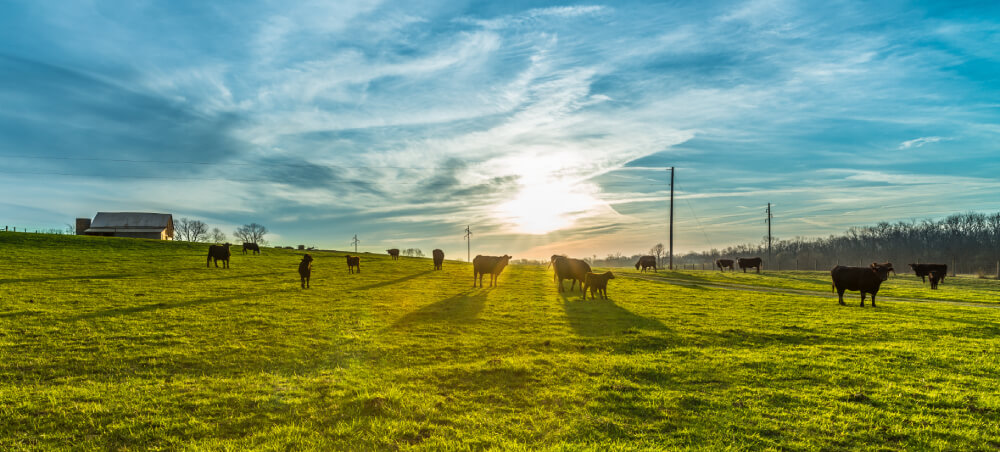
pixel 181 228
pixel 413 252
pixel 217 236
pixel 251 233
pixel 197 231
pixel 658 252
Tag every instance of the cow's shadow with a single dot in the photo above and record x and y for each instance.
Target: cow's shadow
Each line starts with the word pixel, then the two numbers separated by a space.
pixel 461 308
pixel 594 318
pixel 390 282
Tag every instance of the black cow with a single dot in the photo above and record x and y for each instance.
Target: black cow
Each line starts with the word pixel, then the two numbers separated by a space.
pixel 923 270
pixel 438 258
pixel 749 262
pixel 394 253
pixel 574 270
pixel 723 264
pixel 863 279
pixel 646 262
pixel 305 270
pixel 218 253
pixel 935 276
pixel 247 246
pixel 353 262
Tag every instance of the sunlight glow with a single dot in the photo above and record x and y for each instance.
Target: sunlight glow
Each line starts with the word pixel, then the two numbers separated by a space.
pixel 543 208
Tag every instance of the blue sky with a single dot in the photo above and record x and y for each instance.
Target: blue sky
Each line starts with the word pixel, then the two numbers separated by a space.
pixel 543 125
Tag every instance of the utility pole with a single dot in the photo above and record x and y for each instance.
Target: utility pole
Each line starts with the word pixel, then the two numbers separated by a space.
pixel 355 242
pixel 769 217
pixel 671 218
pixel 468 239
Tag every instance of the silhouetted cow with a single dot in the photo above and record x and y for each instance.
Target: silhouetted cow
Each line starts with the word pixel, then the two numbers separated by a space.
pixel 923 270
pixel 305 270
pixel 218 253
pixel 723 264
pixel 935 276
pixel 568 268
pixel 749 262
pixel 492 265
pixel 394 253
pixel 595 282
pixel 352 262
pixel 247 246
pixel 646 262
pixel 863 279
pixel 438 258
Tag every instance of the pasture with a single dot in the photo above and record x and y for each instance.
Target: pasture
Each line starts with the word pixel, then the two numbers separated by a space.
pixel 133 345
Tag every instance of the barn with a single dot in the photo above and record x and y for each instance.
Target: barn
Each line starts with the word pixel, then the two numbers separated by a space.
pixel 141 225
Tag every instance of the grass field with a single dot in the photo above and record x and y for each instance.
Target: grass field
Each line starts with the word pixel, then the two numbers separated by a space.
pixel 135 345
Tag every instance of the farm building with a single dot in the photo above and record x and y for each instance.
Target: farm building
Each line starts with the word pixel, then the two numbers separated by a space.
pixel 128 224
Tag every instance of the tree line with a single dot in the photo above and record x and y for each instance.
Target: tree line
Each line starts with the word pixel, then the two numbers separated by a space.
pixel 188 230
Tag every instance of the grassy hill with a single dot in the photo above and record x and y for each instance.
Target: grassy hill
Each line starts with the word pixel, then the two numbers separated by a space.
pixel 133 344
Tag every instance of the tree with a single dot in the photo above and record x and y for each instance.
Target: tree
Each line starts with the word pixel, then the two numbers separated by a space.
pixel 658 252
pixel 217 236
pixel 190 230
pixel 251 233
pixel 413 252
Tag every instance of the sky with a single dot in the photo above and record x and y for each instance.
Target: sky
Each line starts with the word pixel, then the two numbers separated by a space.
pixel 546 127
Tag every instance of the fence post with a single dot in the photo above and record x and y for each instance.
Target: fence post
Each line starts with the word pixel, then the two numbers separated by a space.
pixel 816 265
pixel 998 269
pixel 954 270
pixel 796 264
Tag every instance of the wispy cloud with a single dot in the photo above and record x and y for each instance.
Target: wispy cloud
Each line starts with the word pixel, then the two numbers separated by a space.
pixel 920 142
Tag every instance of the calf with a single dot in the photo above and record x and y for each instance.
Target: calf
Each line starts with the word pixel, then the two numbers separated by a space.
pixel 352 262
pixel 749 262
pixel 305 270
pixel 723 264
pixel 438 258
pixel 935 276
pixel 863 279
pixel 218 253
pixel 597 282
pixel 646 262
pixel 394 253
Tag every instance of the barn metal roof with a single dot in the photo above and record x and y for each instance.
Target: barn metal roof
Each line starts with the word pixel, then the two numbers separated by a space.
pixel 131 220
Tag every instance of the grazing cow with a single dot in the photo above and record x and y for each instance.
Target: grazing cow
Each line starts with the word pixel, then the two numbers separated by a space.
pixel 305 270
pixel 247 246
pixel 438 258
pixel 597 282
pixel 646 262
pixel 749 262
pixel 723 264
pixel 394 253
pixel 218 253
pixel 935 276
pixel 352 262
pixel 923 270
pixel 491 265
pixel 864 279
pixel 568 268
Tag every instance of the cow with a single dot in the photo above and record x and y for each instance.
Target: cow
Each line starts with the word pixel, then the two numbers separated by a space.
pixel 935 276
pixel 749 262
pixel 491 265
pixel 922 270
pixel 646 262
pixel 218 253
pixel 597 282
pixel 247 246
pixel 394 253
pixel 305 270
pixel 568 268
pixel 352 262
pixel 723 264
pixel 864 279
pixel 438 258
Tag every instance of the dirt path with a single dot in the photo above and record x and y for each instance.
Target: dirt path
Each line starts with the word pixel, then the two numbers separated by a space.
pixel 811 293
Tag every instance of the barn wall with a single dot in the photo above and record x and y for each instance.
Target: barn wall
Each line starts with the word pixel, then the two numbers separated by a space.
pixel 140 235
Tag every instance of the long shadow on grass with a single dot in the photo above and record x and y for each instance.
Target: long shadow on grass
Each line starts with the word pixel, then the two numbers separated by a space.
pixel 116 312
pixel 604 318
pixel 461 308
pixel 70 278
pixel 391 282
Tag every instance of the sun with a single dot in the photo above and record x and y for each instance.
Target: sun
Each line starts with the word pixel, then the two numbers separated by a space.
pixel 546 207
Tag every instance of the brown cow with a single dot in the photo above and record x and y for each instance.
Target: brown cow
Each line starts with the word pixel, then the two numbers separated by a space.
pixel 568 268
pixel 749 262
pixel 646 262
pixel 863 279
pixel 438 258
pixel 218 253
pixel 394 253
pixel 597 283
pixel 723 264
pixel 923 270
pixel 491 265
pixel 305 270
pixel 353 261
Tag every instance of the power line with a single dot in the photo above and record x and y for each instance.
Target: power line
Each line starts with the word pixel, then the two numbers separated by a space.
pixel 355 242
pixel 468 238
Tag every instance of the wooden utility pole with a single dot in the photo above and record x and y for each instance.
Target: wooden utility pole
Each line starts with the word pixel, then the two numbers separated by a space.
pixel 769 217
pixel 355 243
pixel 671 218
pixel 468 239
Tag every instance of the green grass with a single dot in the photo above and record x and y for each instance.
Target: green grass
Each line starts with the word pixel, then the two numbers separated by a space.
pixel 135 345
